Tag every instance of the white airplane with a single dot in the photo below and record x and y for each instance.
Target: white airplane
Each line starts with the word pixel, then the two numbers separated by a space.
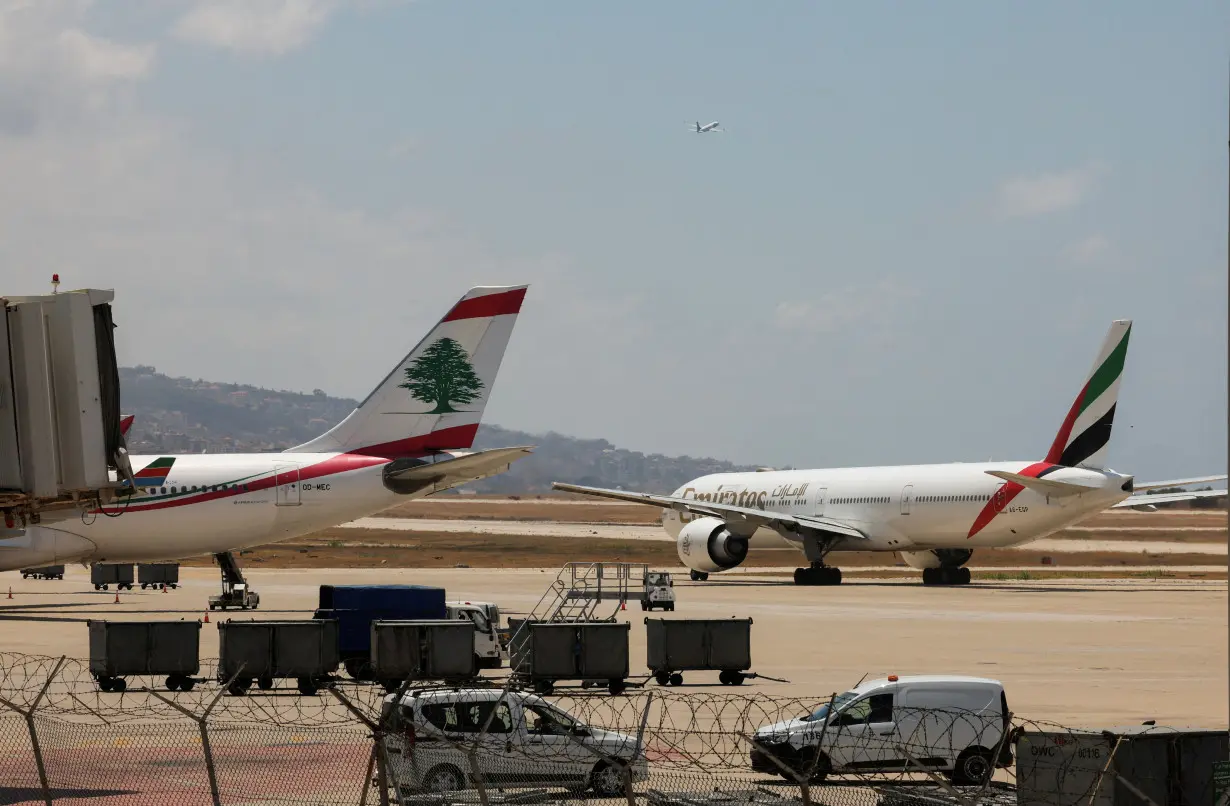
pixel 935 516
pixel 707 127
pixel 407 440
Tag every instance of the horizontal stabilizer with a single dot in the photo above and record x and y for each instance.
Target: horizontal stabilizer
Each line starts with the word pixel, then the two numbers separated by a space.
pixel 1059 489
pixel 412 475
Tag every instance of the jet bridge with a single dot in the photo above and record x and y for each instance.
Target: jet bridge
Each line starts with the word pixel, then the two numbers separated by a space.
pixel 61 445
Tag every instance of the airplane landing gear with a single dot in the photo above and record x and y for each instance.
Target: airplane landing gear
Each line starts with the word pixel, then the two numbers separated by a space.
pixel 946 576
pixel 699 576
pixel 817 574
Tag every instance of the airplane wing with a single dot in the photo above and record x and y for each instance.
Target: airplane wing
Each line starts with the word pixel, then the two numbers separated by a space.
pixel 412 475
pixel 730 513
pixel 1148 502
pixel 1156 485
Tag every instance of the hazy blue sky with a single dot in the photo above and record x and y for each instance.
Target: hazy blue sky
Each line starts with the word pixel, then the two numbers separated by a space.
pixel 906 246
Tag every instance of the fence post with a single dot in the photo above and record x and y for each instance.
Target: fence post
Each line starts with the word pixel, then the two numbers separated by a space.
pixel 380 755
pixel 28 715
pixel 202 725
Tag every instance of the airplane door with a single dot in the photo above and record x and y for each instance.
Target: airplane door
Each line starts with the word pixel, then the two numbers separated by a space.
pixel 287 480
pixel 907 499
pixel 821 495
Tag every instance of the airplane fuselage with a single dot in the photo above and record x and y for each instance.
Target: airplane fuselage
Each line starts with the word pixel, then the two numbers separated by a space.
pixel 211 503
pixel 911 507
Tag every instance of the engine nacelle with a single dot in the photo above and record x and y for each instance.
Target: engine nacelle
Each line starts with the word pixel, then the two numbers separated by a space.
pixel 936 558
pixel 708 545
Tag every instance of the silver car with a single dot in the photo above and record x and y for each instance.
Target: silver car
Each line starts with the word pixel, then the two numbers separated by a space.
pixel 517 739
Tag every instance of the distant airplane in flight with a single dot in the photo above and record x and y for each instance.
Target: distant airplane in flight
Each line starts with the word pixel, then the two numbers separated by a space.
pixel 708 127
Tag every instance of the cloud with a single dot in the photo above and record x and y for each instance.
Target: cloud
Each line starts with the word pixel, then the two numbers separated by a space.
pixel 1029 196
pixel 1087 250
pixel 52 72
pixel 255 26
pixel 852 306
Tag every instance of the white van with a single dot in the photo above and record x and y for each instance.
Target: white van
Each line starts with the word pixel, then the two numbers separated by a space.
pixel 949 724
pixel 527 742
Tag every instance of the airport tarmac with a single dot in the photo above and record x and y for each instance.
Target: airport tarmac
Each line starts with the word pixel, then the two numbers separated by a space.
pixel 1077 652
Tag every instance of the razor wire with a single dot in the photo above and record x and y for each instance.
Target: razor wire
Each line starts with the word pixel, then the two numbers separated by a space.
pixel 59 732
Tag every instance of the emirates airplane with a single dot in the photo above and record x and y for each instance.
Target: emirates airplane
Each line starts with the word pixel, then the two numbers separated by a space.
pixel 408 439
pixel 935 516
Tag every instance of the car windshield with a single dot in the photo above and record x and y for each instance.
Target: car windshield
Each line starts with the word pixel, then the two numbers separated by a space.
pixel 839 701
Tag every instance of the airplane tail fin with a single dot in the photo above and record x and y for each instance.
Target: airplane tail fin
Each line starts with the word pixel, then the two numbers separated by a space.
pixel 434 398
pixel 1084 437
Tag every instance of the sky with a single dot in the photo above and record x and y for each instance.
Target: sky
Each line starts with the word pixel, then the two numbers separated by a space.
pixel 905 246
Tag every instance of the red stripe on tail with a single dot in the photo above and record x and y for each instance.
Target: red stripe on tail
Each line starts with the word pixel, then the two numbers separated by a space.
pixel 490 305
pixel 1065 430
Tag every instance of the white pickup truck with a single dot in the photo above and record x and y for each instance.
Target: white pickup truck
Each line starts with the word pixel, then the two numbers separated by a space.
pixel 489 645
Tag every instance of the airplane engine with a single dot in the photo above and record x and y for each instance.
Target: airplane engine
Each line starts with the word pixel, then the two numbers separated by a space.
pixel 707 544
pixel 937 558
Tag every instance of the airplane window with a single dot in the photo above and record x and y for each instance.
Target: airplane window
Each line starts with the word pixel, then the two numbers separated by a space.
pixel 164 490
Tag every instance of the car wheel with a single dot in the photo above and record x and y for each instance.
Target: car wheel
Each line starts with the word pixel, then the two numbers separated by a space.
pixel 973 767
pixel 606 780
pixel 443 779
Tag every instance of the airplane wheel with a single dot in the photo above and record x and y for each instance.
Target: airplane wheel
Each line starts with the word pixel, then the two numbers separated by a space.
pixel 676 679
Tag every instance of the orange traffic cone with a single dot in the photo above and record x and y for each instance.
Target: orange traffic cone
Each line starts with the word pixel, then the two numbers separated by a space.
pixel 117 597
pixel 10 591
pixel 623 605
pixel 164 588
pixel 207 617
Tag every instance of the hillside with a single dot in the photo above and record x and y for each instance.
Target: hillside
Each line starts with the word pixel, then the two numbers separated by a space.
pixel 183 415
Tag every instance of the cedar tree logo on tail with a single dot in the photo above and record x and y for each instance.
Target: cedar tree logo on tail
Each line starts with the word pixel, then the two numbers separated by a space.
pixel 443 375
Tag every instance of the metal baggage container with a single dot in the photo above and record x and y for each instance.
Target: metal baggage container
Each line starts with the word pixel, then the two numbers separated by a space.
pixel 678 645
pixel 155 574
pixel 124 648
pixel 546 652
pixel 264 650
pixel 103 575
pixel 423 650
pixel 44 572
pixel 1065 768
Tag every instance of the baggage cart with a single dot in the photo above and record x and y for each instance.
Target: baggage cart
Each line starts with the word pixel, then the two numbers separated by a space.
pixel 43 572
pixel 437 649
pixel 121 649
pixel 155 575
pixel 264 651
pixel 104 575
pixel 674 646
pixel 544 653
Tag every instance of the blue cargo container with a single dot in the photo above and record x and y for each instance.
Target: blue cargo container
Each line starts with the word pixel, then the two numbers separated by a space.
pixel 356 606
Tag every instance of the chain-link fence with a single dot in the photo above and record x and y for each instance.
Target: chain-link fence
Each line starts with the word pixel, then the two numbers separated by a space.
pixel 62 739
